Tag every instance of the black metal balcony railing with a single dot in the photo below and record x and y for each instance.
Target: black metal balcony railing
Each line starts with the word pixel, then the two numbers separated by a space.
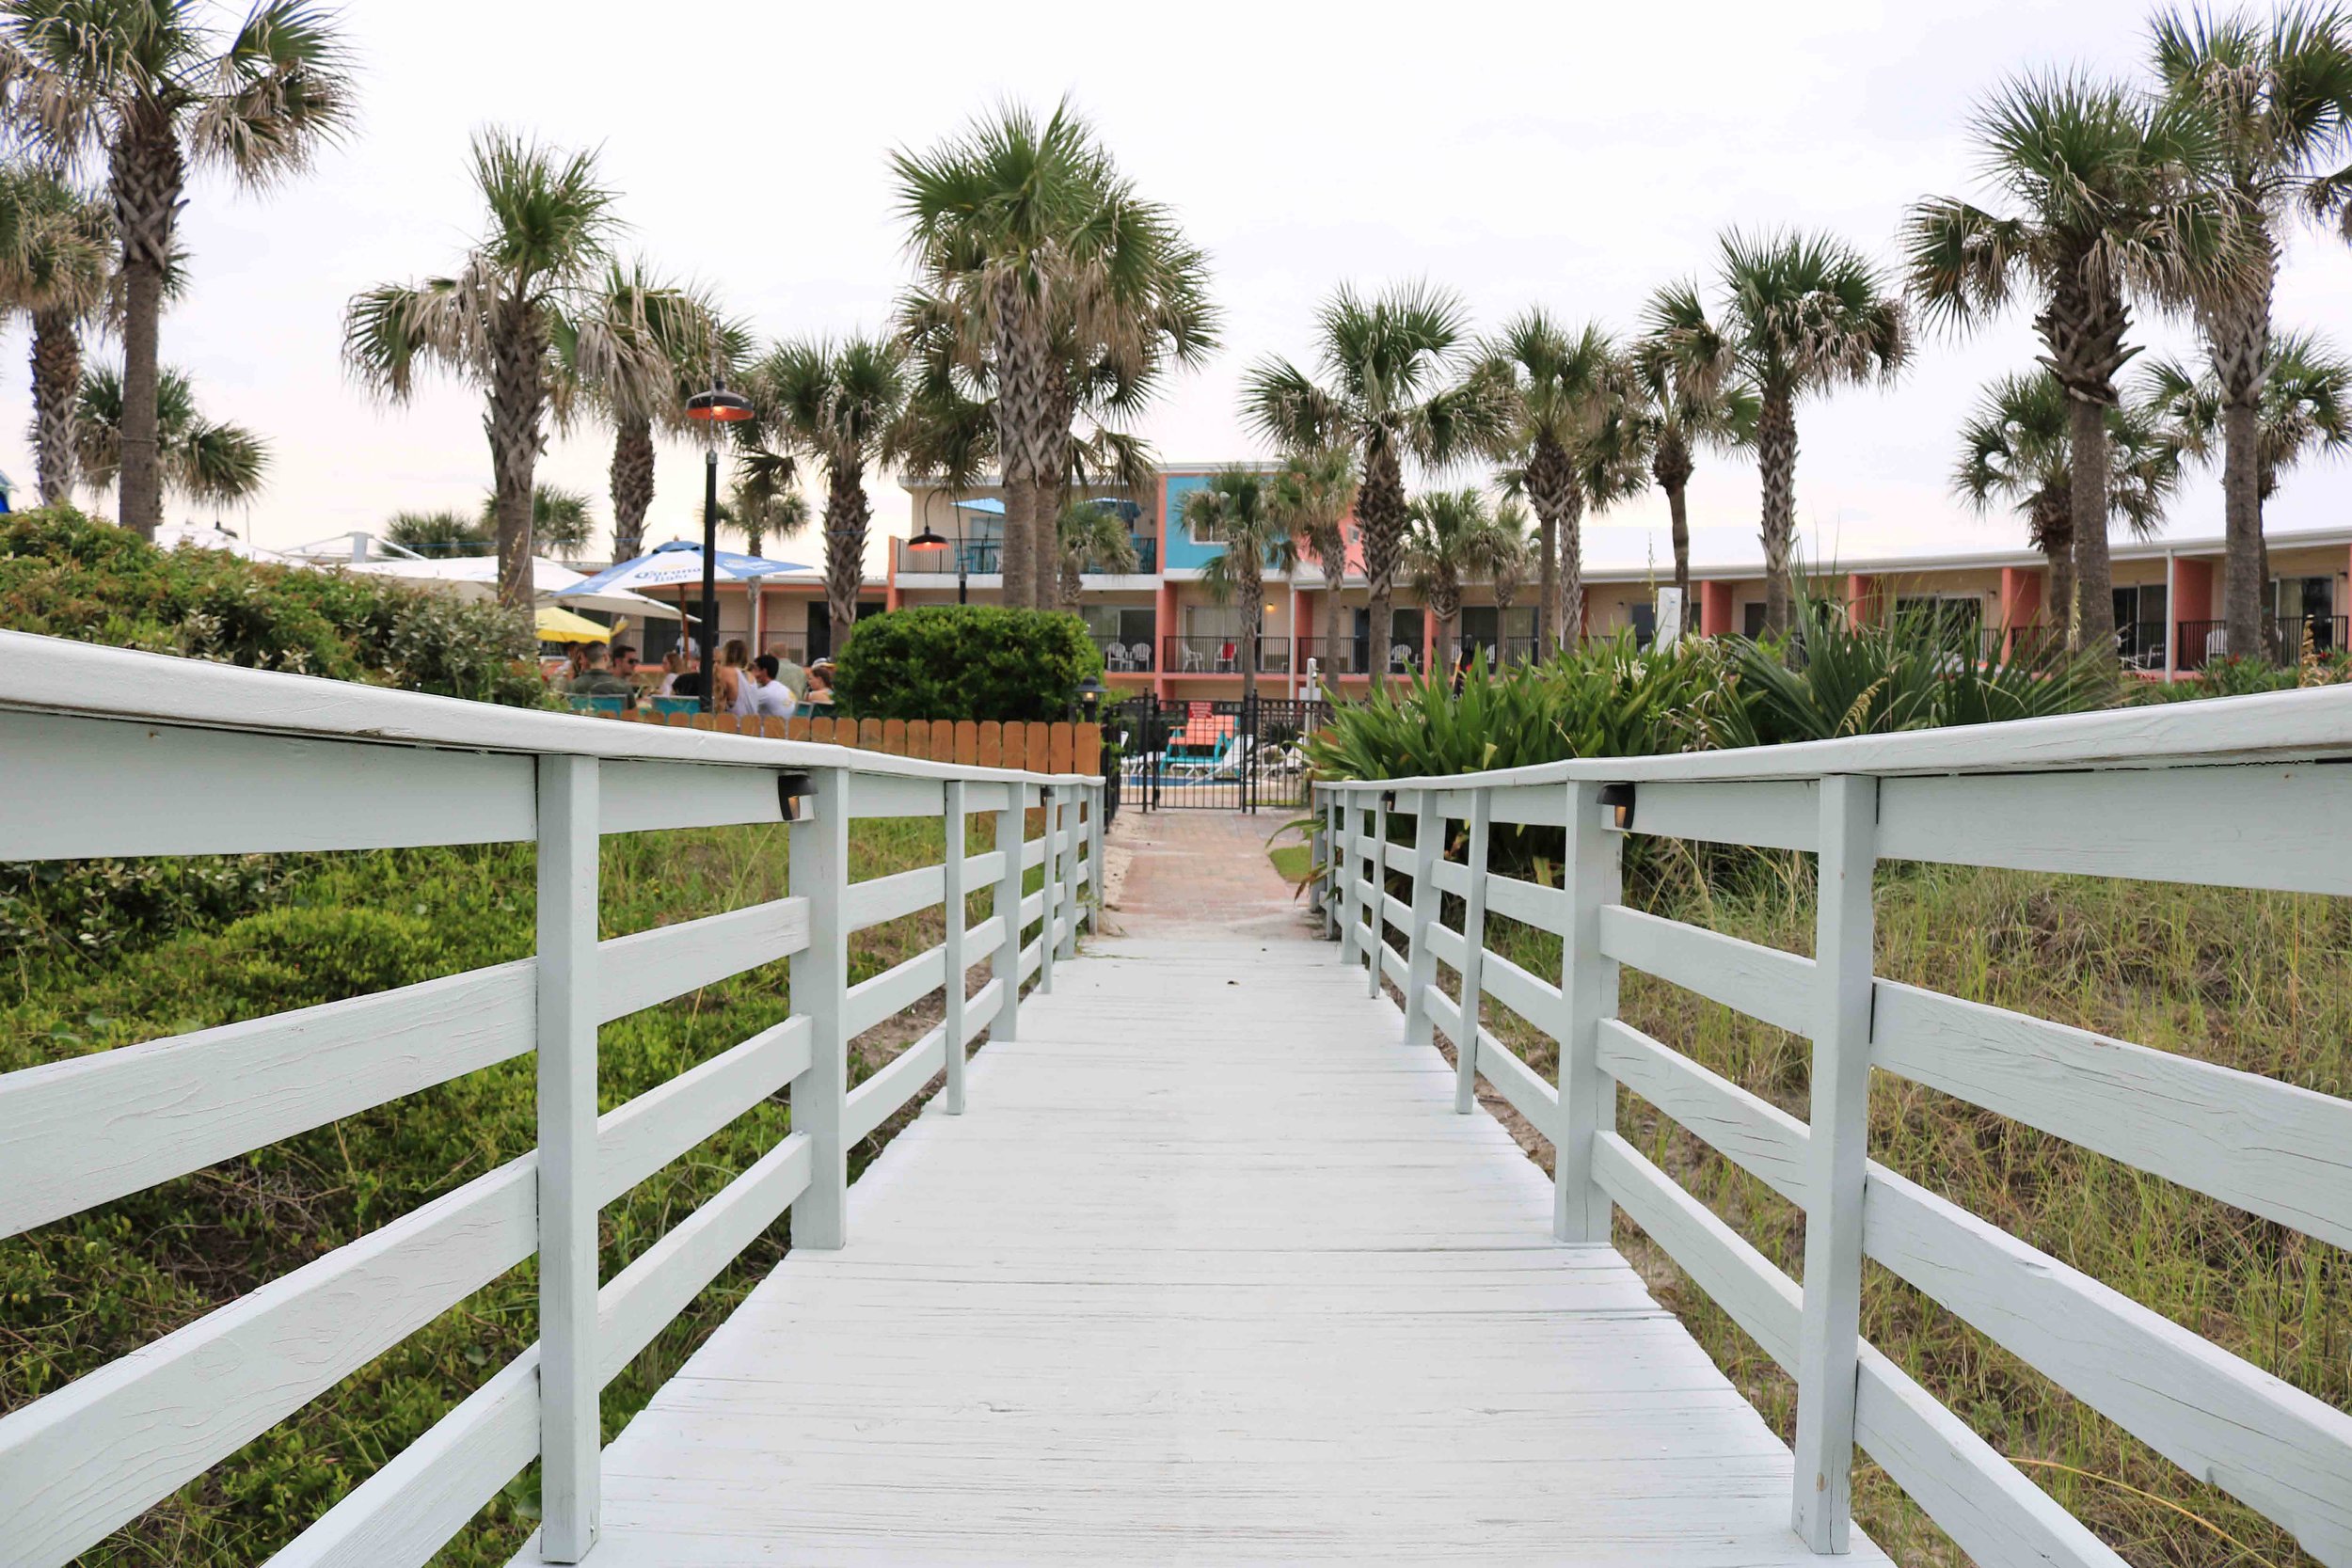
pixel 1223 655
pixel 1500 651
pixel 1351 657
pixel 1121 656
pixel 1146 560
pixel 2203 642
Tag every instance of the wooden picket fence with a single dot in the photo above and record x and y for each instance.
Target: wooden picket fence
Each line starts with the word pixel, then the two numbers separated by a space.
pixel 1058 748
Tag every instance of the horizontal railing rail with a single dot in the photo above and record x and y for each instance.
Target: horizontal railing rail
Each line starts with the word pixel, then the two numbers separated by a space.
pixel 188 758
pixel 2234 793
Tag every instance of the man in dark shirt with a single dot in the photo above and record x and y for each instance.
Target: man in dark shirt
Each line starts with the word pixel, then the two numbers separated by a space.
pixel 599 680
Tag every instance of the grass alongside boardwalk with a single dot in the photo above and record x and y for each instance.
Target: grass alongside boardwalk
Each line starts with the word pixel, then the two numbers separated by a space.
pixel 80 1293
pixel 2260 982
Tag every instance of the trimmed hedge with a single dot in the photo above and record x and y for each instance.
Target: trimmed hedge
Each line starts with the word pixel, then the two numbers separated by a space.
pixel 965 661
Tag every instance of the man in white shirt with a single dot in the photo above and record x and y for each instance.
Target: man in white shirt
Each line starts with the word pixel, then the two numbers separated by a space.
pixel 765 696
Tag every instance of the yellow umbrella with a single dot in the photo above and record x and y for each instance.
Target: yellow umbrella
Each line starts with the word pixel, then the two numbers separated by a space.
pixel 561 626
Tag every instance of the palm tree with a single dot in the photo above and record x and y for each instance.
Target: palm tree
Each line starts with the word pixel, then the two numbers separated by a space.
pixel 203 460
pixel 2279 92
pixel 678 330
pixel 1514 553
pixel 1393 389
pixel 1090 531
pixel 1557 385
pixel 561 522
pixel 2105 199
pixel 1310 497
pixel 1035 255
pixel 766 500
pixel 443 535
pixel 56 267
pixel 153 87
pixel 839 404
pixel 1688 385
pixel 2305 409
pixel 519 319
pixel 1452 537
pixel 1802 313
pixel 1233 509
pixel 2016 449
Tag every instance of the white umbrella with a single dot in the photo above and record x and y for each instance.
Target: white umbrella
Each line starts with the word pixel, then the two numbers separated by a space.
pixel 679 563
pixel 476 577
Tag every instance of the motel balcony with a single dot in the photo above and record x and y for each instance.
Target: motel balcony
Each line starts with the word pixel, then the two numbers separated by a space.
pixel 1223 655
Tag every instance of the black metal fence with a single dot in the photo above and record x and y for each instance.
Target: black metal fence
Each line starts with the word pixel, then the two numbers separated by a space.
pixel 1210 756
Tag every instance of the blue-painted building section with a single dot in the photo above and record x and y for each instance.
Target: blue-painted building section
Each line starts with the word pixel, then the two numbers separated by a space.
pixel 1183 552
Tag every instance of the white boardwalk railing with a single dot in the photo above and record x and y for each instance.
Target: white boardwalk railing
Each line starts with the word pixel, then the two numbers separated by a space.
pixel 2241 793
pixel 110 753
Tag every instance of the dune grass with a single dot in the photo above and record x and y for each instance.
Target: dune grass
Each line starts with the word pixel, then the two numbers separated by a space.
pixel 2260 982
pixel 82 1291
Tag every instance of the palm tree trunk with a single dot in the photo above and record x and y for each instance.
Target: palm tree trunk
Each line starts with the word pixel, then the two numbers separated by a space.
pixel 632 487
pixel 1025 441
pixel 1016 551
pixel 1253 636
pixel 518 400
pixel 2243 576
pixel 1380 522
pixel 846 516
pixel 1671 467
pixel 1333 577
pixel 57 379
pixel 1572 572
pixel 1547 581
pixel 147 174
pixel 2088 488
pixel 1045 510
pixel 1776 455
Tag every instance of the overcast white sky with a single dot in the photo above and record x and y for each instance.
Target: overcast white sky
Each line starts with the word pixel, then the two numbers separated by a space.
pixel 1569 154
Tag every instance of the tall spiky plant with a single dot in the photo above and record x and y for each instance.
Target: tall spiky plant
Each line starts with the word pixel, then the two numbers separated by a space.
pixel 1451 538
pixel 679 341
pixel 56 269
pixel 1802 313
pixel 519 319
pixel 154 90
pixel 2016 449
pixel 1398 384
pixel 1234 508
pixel 1038 263
pixel 1310 497
pixel 1691 396
pixel 2278 91
pixel 839 404
pixel 1557 386
pixel 2109 199
pixel 2304 410
pixel 204 460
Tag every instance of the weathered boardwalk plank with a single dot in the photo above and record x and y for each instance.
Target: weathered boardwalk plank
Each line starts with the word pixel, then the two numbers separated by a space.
pixel 1209 1273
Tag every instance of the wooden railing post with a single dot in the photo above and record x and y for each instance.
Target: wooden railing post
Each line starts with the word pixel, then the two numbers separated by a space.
pixel 1097 826
pixel 1420 960
pixel 821 983
pixel 1073 801
pixel 1836 1162
pixel 1473 953
pixel 1344 861
pixel 570 1431
pixel 1588 993
pixel 1012 823
pixel 1049 896
pixel 1376 916
pixel 951 822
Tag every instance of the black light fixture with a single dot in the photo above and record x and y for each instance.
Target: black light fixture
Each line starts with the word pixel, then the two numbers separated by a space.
pixel 711 409
pixel 1090 694
pixel 926 540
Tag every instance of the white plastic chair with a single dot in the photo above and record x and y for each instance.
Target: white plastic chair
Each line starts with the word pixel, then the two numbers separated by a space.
pixel 1400 659
pixel 1141 654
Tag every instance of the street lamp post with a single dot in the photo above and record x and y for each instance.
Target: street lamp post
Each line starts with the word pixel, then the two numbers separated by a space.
pixel 712 409
pixel 931 540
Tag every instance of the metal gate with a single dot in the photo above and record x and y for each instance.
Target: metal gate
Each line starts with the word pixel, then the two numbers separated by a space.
pixel 1208 755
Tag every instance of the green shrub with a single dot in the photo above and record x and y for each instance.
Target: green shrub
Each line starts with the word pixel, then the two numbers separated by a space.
pixel 965 661
pixel 64 575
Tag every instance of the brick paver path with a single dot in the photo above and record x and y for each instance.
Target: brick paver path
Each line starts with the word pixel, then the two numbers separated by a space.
pixel 1203 873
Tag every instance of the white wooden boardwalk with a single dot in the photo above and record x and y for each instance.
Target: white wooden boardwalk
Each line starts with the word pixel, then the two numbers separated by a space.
pixel 1209 1273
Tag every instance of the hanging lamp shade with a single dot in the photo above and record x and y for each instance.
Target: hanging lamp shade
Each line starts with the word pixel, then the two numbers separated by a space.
pixel 928 540
pixel 718 405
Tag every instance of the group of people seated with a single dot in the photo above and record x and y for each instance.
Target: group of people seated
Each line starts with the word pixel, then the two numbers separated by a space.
pixel 769 687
